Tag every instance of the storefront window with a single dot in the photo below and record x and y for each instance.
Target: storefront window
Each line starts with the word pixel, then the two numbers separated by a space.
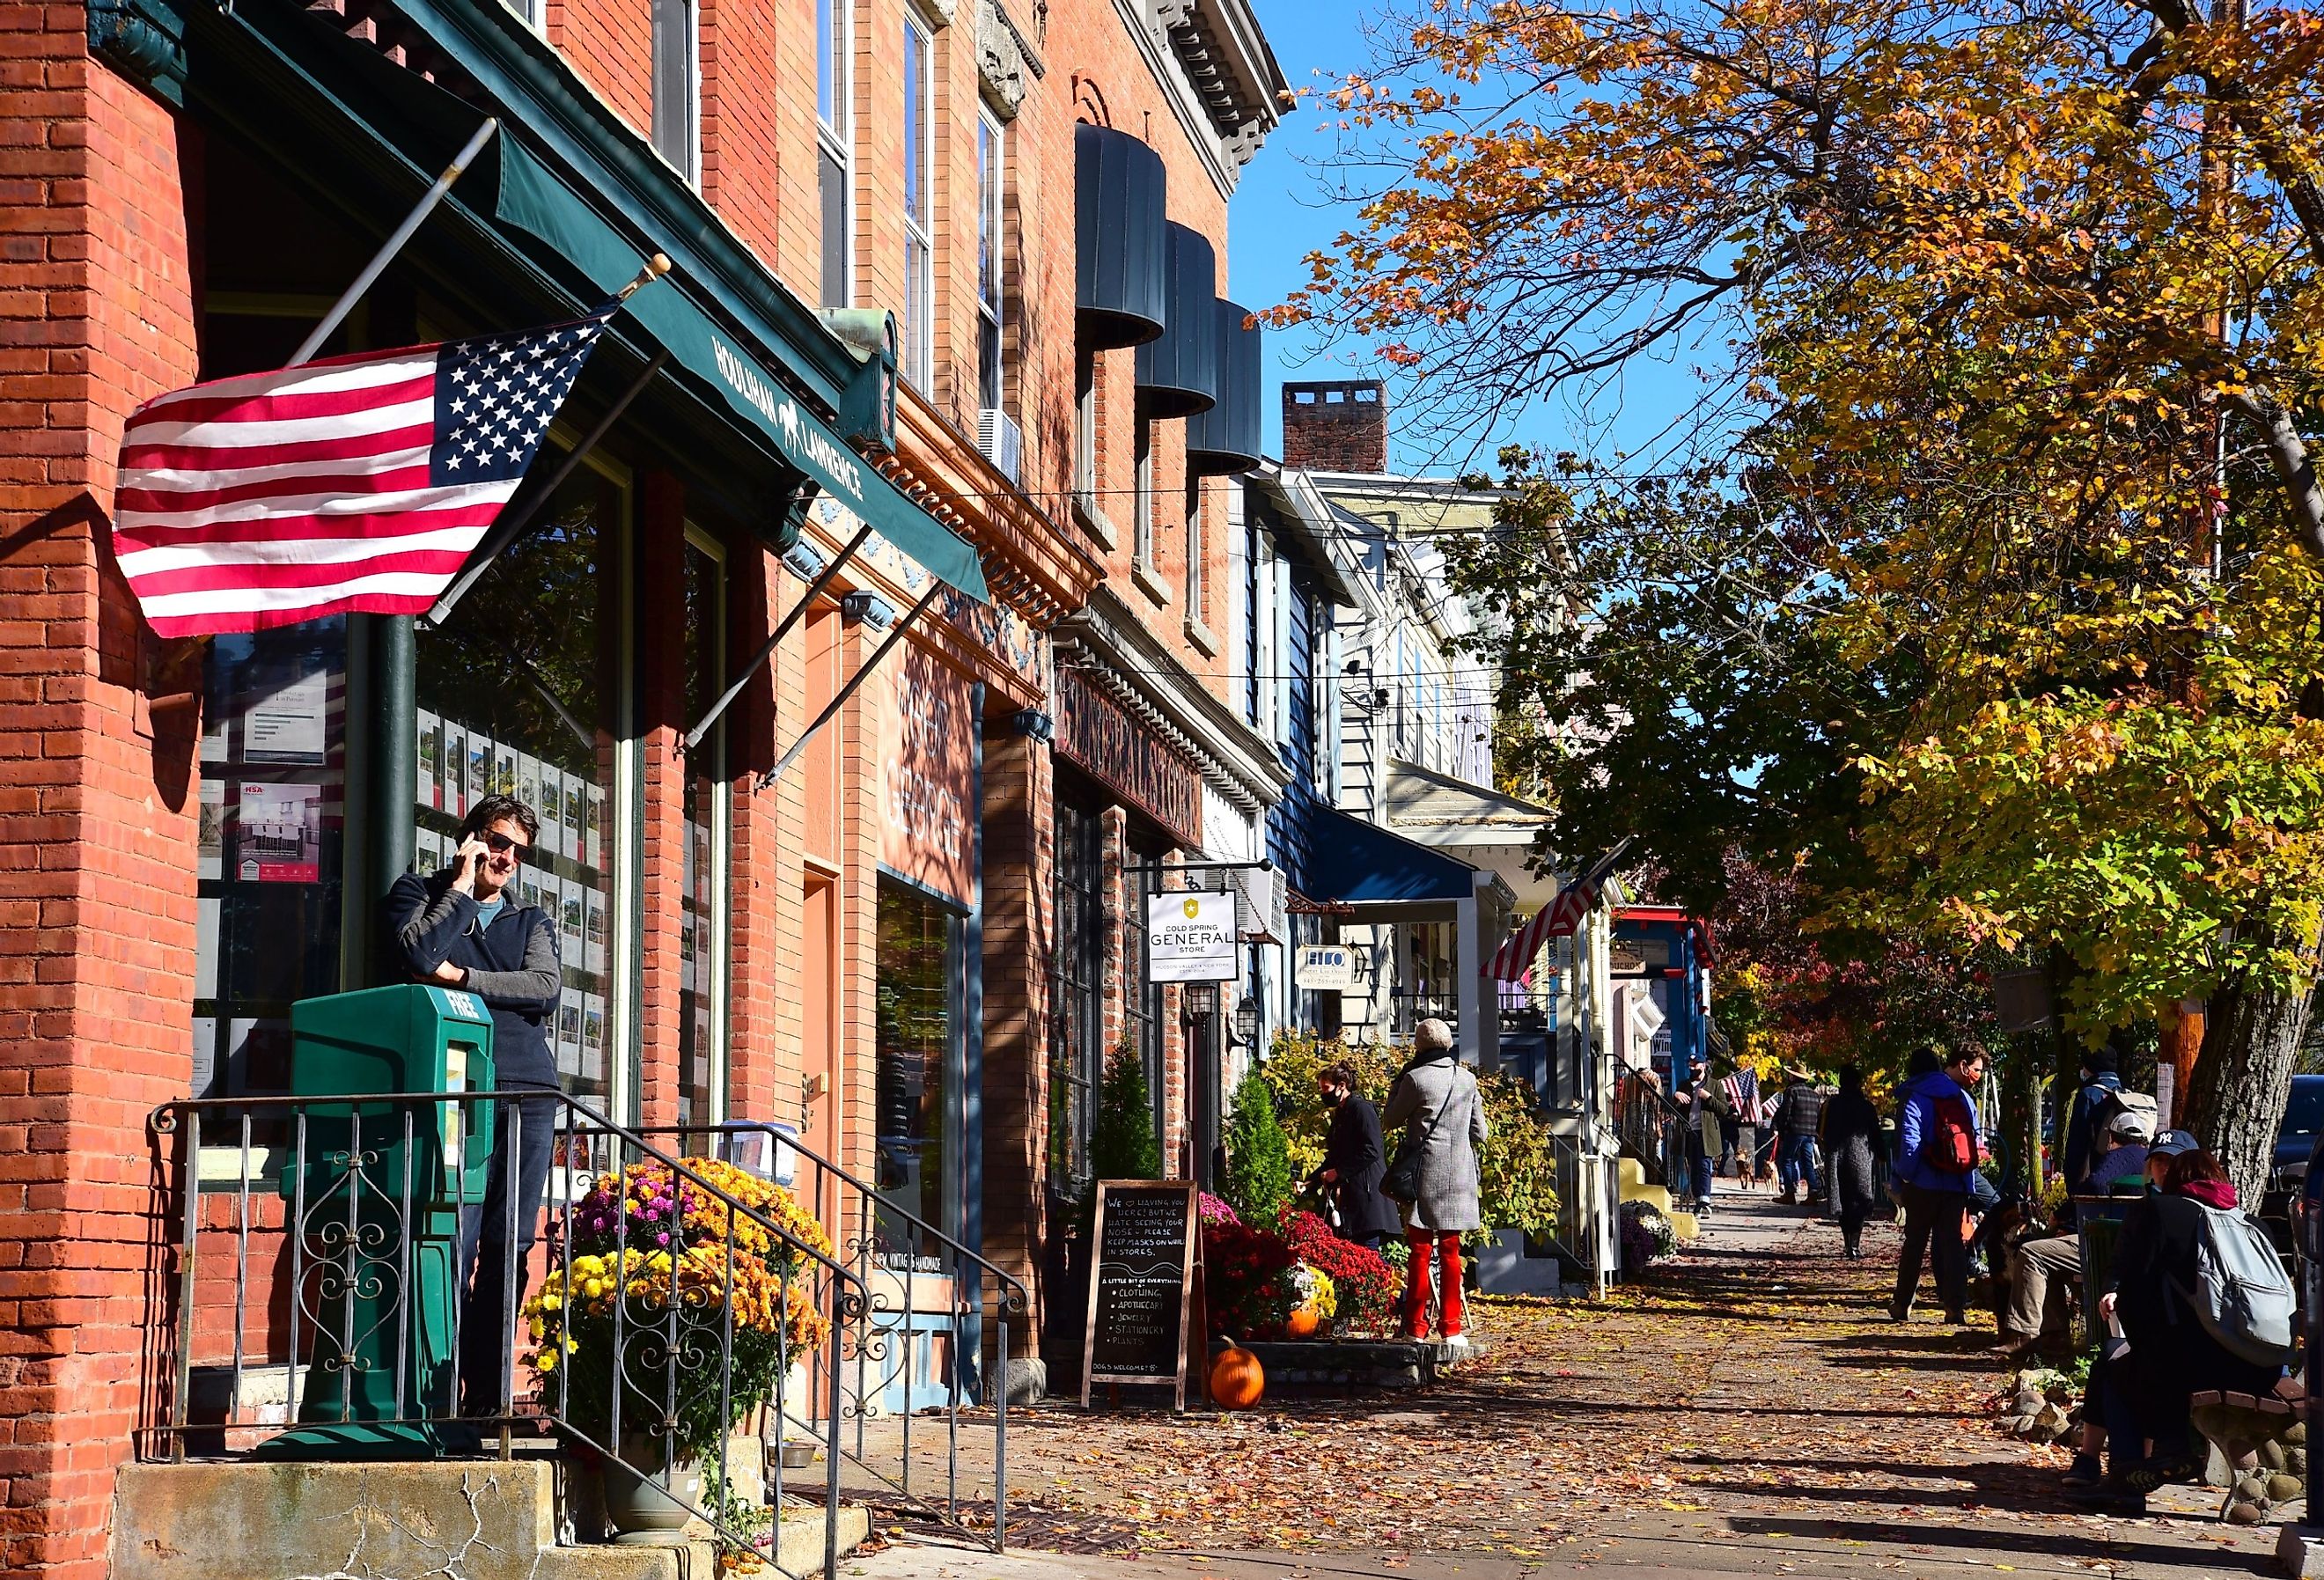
pixel 919 970
pixel 702 905
pixel 272 835
pixel 1141 997
pixel 1079 1061
pixel 521 693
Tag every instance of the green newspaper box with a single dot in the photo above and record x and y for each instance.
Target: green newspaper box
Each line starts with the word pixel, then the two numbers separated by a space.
pixel 376 1190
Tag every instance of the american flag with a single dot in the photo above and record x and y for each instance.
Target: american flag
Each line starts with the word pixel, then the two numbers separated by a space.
pixel 1513 961
pixel 355 485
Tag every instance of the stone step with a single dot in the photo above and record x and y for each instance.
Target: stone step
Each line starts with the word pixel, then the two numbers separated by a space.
pixel 493 1519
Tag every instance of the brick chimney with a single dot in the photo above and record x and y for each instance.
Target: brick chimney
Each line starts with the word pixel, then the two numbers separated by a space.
pixel 1336 427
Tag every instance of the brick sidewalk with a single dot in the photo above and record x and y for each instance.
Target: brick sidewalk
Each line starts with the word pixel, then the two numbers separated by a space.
pixel 1746 1411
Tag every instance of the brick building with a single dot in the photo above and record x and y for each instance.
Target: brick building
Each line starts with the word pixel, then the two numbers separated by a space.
pixel 881 364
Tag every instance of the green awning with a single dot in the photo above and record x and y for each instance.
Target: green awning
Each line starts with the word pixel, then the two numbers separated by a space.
pixel 533 198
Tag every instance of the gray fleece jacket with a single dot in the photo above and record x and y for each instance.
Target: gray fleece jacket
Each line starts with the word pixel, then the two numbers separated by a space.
pixel 511 965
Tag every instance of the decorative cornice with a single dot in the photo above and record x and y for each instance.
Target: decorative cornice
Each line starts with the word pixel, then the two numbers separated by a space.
pixel 1004 58
pixel 1031 564
pixel 1147 678
pixel 1219 76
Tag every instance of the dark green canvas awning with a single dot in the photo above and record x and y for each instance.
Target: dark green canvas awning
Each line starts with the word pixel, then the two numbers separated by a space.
pixel 576 200
pixel 535 200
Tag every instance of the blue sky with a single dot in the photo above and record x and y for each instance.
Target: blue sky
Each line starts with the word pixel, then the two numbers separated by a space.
pixel 1278 216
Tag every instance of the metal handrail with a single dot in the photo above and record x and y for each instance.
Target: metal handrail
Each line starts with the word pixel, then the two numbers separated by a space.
pixel 788 1139
pixel 165 1120
pixel 1015 1298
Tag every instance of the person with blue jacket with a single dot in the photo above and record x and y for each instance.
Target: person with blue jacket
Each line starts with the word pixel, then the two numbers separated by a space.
pixel 1937 1151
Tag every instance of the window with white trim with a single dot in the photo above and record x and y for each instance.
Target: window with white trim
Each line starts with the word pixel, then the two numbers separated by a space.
pixel 677 87
pixel 1195 549
pixel 1141 527
pixel 918 325
pixel 832 151
pixel 992 262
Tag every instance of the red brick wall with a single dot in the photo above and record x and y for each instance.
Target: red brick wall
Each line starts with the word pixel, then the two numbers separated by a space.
pixel 97 800
pixel 1338 427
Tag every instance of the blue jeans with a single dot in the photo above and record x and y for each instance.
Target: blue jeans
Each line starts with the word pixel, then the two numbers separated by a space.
pixel 1797 1162
pixel 1703 1173
pixel 491 1245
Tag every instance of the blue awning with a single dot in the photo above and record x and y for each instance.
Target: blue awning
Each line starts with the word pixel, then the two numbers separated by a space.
pixel 1353 862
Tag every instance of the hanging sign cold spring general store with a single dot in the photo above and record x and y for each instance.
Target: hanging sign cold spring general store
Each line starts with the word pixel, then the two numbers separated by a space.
pixel 1097 734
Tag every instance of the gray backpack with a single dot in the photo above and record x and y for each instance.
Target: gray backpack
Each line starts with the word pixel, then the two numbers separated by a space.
pixel 2242 1296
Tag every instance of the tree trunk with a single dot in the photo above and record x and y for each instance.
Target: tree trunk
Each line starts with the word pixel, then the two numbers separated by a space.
pixel 2250 1049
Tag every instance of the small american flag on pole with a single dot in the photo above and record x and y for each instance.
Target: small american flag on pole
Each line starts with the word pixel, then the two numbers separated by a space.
pixel 357 485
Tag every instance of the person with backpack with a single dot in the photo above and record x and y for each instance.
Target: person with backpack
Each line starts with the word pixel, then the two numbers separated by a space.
pixel 1937 1150
pixel 2084 1141
pixel 2202 1301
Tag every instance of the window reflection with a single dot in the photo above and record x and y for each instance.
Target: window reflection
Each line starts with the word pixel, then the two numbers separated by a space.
pixel 918 963
pixel 271 849
pixel 701 902
pixel 518 695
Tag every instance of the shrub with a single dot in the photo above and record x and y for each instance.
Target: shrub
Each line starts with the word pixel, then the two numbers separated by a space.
pixel 1517 1168
pixel 1124 1145
pixel 1258 1184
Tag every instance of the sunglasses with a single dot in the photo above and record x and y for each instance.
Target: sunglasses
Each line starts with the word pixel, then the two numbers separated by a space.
pixel 502 845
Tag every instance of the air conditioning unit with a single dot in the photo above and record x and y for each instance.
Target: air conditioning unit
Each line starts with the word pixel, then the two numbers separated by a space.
pixel 1002 440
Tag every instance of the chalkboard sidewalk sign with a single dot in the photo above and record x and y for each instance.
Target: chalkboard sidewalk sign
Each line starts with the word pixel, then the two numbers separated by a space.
pixel 1142 1285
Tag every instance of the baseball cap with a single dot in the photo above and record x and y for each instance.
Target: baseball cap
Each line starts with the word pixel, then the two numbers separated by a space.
pixel 2172 1142
pixel 2132 1127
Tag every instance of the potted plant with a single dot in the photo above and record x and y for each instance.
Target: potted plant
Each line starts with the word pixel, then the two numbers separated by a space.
pixel 660 1252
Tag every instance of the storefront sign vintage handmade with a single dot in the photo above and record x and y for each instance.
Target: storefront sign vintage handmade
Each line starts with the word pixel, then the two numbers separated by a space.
pixel 1141 1289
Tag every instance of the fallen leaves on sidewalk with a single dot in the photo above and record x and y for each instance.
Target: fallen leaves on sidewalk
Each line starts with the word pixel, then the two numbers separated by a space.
pixel 1701 1404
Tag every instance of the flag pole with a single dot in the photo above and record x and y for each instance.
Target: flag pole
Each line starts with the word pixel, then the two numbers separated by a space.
pixel 394 245
pixel 513 522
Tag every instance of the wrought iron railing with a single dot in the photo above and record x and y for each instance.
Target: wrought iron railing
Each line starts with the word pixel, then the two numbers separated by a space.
pixel 1408 1010
pixel 317 1287
pixel 918 1354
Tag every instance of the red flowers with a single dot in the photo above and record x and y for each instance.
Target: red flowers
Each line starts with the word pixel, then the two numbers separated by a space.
pixel 1248 1269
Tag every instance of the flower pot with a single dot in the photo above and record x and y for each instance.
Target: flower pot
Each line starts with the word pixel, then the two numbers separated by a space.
pixel 647 1507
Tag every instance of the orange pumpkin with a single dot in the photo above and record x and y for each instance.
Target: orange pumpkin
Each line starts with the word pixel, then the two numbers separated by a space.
pixel 1237 1379
pixel 1303 1323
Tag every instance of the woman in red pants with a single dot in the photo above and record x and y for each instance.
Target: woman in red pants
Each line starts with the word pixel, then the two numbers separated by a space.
pixel 1436 1100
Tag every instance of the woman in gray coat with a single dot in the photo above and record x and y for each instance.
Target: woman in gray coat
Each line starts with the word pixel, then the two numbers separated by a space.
pixel 1436 1100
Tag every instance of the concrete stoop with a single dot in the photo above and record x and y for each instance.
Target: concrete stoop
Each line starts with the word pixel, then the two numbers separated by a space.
pixel 476 1521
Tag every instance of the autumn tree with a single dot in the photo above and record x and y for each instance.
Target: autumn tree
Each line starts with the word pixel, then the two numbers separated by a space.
pixel 2022 301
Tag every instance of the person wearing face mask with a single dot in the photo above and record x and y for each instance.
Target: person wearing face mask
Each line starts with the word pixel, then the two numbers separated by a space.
pixel 465 928
pixel 1354 1158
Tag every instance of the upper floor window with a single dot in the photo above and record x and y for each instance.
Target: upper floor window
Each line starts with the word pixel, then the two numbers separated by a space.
pixel 990 259
pixel 1085 427
pixel 676 103
pixel 1141 527
pixel 920 255
pixel 832 151
pixel 1195 590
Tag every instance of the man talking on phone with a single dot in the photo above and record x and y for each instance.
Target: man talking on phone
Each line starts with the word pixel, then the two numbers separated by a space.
pixel 463 928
